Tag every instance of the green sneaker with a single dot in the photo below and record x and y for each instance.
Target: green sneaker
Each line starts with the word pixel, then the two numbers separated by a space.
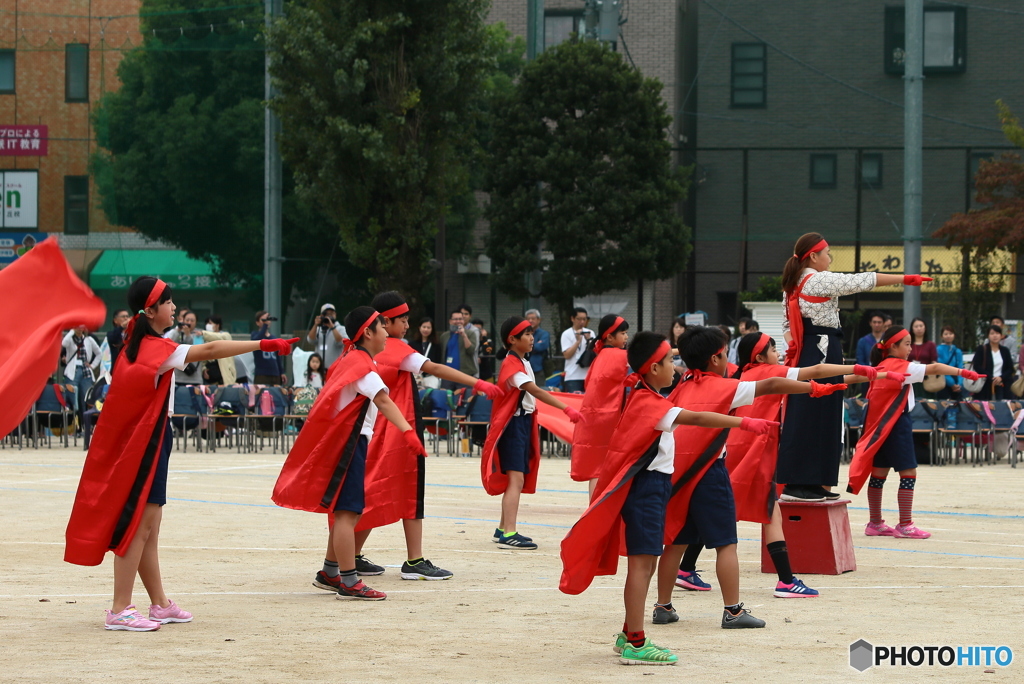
pixel 620 642
pixel 648 654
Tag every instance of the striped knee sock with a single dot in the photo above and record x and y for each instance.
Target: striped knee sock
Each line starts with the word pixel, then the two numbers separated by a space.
pixel 875 485
pixel 905 495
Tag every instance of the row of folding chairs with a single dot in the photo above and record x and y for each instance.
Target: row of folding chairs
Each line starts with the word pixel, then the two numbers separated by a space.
pixel 52 416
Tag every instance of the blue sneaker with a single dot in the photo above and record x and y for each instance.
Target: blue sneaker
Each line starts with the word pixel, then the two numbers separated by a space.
pixel 691 581
pixel 516 541
pixel 498 534
pixel 795 590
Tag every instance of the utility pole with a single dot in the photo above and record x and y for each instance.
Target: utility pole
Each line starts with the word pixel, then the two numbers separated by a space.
pixel 271 190
pixel 913 96
pixel 534 48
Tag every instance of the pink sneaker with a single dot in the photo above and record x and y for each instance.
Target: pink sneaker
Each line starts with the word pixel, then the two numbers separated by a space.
pixel 909 532
pixel 878 529
pixel 172 613
pixel 129 620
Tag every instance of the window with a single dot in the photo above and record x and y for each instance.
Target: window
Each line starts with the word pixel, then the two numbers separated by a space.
pixel 76 205
pixel 823 171
pixel 560 25
pixel 748 75
pixel 76 72
pixel 945 40
pixel 6 71
pixel 871 170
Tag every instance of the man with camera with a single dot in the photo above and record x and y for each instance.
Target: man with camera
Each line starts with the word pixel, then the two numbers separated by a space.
pixel 327 335
pixel 82 356
pixel 574 342
pixel 269 366
pixel 184 332
pixel 459 345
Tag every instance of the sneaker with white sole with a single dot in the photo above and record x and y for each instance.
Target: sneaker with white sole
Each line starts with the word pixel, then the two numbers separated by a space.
pixel 909 532
pixel 742 620
pixel 878 529
pixel 795 590
pixel 424 570
pixel 498 533
pixel 365 567
pixel 691 581
pixel 172 613
pixel 360 592
pixel 129 620
pixel 326 582
pixel 648 654
pixel 516 541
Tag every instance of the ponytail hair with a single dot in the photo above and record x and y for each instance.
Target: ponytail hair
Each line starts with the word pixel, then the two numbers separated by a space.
pixel 607 328
pixel 876 353
pixel 795 265
pixel 746 347
pixel 138 293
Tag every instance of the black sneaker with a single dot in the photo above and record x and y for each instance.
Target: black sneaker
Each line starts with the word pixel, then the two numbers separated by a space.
pixel 424 570
pixel 828 494
pixel 516 541
pixel 801 493
pixel 366 567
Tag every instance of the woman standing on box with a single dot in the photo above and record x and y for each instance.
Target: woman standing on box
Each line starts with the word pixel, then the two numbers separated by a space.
pixel 811 444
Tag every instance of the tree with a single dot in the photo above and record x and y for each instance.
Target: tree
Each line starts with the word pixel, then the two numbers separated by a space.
pixel 374 101
pixel 581 168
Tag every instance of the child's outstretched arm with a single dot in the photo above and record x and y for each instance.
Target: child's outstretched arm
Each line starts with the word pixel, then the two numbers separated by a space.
pixel 448 373
pixel 827 370
pixel 943 369
pixel 709 419
pixel 391 411
pixel 784 386
pixel 221 349
pixel 545 396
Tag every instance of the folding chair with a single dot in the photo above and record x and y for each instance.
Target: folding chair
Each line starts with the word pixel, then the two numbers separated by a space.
pixel 856 411
pixel 230 406
pixel 967 432
pixel 1001 416
pixel 475 421
pixel 268 418
pixel 923 419
pixel 50 413
pixel 437 406
pixel 189 409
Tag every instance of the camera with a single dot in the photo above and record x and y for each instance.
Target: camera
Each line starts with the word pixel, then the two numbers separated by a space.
pixel 271 318
pixel 326 322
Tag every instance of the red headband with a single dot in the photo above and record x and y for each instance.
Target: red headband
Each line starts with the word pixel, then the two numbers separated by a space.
pixel 619 320
pixel 394 312
pixel 518 329
pixel 154 296
pixel 816 248
pixel 663 349
pixel 885 346
pixel 759 347
pixel 359 332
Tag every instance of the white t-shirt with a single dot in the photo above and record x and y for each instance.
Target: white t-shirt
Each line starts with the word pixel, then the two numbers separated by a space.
pixel 915 373
pixel 572 368
pixel 368 385
pixel 518 380
pixel 665 461
pixel 413 362
pixel 176 361
pixel 744 396
pixel 997 363
pixel 793 374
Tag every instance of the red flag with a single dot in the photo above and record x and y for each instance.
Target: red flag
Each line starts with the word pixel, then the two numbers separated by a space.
pixel 556 422
pixel 40 297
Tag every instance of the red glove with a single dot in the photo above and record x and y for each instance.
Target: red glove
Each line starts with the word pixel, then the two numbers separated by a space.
pixel 970 375
pixel 869 372
pixel 282 347
pixel 823 389
pixel 898 377
pixel 758 426
pixel 414 442
pixel 916 280
pixel 489 390
pixel 574 415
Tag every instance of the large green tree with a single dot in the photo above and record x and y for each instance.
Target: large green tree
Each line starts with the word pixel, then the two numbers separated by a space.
pixel 581 178
pixel 181 144
pixel 375 100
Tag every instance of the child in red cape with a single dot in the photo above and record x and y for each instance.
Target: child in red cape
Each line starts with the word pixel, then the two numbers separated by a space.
pixel 120 498
pixel 702 509
pixel 395 472
pixel 627 513
pixel 511 453
pixel 887 439
pixel 602 401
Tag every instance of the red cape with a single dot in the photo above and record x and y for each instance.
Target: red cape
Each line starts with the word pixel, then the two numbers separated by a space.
pixel 750 458
pixel 796 320
pixel 312 475
pixel 555 421
pixel 394 475
pixel 696 447
pixel 122 458
pixel 602 405
pixel 593 545
pixel 887 400
pixel 42 297
pixel 495 482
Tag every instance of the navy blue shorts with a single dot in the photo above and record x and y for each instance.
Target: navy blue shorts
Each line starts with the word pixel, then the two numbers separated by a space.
pixel 712 515
pixel 351 498
pixel 158 492
pixel 514 444
pixel 897 451
pixel 644 513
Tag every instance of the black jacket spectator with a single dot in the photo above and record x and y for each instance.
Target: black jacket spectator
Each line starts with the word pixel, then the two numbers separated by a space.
pixel 983 363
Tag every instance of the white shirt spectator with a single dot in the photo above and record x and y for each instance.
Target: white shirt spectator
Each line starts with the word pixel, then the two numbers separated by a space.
pixel 369 386
pixel 326 346
pixel 573 371
pixel 90 351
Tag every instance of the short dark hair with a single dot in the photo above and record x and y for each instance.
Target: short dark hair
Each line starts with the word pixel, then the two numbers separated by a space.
pixel 879 314
pixel 478 322
pixel 949 328
pixel 466 307
pixel 644 344
pixel 506 328
pixel 455 311
pixel 886 317
pixel 753 326
pixel 212 318
pixel 357 316
pixel 576 310
pixel 118 312
pixel 995 327
pixel 699 343
pixel 996 317
pixel 388 300
pixel 260 314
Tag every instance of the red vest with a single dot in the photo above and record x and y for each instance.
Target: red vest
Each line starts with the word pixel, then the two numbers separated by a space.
pixel 315 469
pixel 496 482
pixel 593 545
pixel 602 405
pixel 750 458
pixel 122 458
pixel 394 475
pixel 887 400
pixel 696 447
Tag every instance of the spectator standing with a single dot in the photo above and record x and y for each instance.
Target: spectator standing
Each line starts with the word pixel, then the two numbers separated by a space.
pixel 459 346
pixel 185 333
pixel 217 371
pixel 876 319
pixel 82 358
pixel 425 341
pixel 743 326
pixel 1009 341
pixel 949 354
pixel 923 351
pixel 574 341
pixel 269 366
pixel 485 352
pixel 993 360
pixel 467 316
pixel 541 346
pixel 115 338
pixel 327 335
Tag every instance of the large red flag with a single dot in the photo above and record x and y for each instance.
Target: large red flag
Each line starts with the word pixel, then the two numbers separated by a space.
pixel 556 422
pixel 40 297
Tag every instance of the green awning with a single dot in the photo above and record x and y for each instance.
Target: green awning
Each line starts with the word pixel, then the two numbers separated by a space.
pixel 116 269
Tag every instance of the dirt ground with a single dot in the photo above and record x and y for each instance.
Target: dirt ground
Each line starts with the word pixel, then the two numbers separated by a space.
pixel 244 567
